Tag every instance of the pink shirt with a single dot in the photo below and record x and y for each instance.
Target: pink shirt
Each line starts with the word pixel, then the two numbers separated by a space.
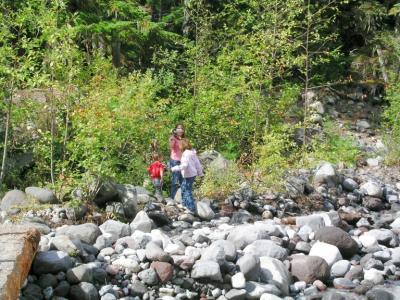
pixel 176 153
pixel 190 165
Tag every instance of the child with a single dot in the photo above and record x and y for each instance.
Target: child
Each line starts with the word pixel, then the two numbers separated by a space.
pixel 190 167
pixel 156 172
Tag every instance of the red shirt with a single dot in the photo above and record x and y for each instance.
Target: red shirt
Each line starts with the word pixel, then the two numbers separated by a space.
pixel 155 169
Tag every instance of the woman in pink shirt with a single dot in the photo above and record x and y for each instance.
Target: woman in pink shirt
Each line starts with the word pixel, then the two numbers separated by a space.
pixel 175 159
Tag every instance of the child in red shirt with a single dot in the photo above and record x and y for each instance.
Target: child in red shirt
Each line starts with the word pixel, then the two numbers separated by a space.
pixel 156 172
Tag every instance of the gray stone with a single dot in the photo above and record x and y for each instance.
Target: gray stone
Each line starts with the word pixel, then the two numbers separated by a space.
pixel 44 196
pixel 309 268
pixel 238 281
pixel 255 289
pixel 138 289
pixel 128 195
pixel 268 296
pixel 117 229
pixel 62 289
pixel 65 244
pixel 229 248
pixel 243 235
pixel 339 238
pixel 349 184
pixel 46 280
pixel 108 297
pixel 204 210
pixel 148 276
pixel 84 291
pixel 314 222
pixel 266 248
pixel 85 272
pixel 204 269
pixel 51 262
pixel 155 253
pixel 236 294
pixel 326 174
pixel 340 268
pixel 329 252
pixel 275 272
pixel 141 222
pixel 372 189
pixel 12 199
pixel 87 232
pixel 249 265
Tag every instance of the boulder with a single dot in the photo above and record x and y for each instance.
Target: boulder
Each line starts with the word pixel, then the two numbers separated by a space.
pixel 339 238
pixel 67 245
pixel 329 252
pixel 349 184
pixel 373 203
pixel 87 232
pixel 51 262
pixel 127 194
pixel 44 196
pixel 326 173
pixel 13 199
pixel 266 248
pixel 238 281
pixel 204 210
pixel 84 291
pixel 117 229
pixel 204 269
pixel 148 276
pixel 155 253
pixel 309 268
pixel 372 189
pixel 314 222
pixel 243 235
pixel 255 289
pixel 107 192
pixel 275 272
pixel 249 265
pixel 229 248
pixel 141 222
pixel 340 268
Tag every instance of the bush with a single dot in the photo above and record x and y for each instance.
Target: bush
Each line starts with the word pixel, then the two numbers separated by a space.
pixel 218 184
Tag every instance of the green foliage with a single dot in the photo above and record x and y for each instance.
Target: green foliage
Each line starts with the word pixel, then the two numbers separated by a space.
pixel 334 147
pixel 218 184
pixel 392 124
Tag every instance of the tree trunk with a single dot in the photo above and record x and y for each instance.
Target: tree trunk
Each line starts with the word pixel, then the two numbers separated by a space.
pixel 7 130
pixel 52 132
pixel 186 19
pixel 116 50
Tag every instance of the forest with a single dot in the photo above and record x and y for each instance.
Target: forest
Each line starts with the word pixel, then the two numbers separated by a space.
pixel 88 85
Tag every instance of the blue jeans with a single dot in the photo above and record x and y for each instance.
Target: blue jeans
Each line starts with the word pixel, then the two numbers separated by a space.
pixel 158 187
pixel 176 178
pixel 187 196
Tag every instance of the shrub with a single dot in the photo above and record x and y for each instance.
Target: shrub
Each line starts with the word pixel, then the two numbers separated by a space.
pixel 218 184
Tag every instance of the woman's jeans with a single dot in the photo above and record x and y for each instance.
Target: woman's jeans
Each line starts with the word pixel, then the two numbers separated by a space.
pixel 176 178
pixel 187 196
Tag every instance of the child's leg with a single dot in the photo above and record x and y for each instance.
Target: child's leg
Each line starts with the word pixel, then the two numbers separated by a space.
pixel 158 187
pixel 187 195
pixel 176 178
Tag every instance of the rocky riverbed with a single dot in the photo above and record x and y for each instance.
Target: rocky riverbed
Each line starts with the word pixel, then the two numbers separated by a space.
pixel 272 249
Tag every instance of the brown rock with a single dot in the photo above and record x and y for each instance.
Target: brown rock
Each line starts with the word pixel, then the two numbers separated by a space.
pixel 309 269
pixel 350 217
pixel 18 246
pixel 164 270
pixel 339 238
pixel 289 221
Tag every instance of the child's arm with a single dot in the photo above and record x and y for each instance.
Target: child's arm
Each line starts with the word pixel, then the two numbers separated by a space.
pixel 184 164
pixel 199 167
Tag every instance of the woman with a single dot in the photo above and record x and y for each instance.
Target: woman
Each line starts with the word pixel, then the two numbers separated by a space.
pixel 175 158
pixel 190 167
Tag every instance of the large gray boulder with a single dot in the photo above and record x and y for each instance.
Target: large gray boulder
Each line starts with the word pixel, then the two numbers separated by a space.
pixel 339 238
pixel 51 262
pixel 44 196
pixel 13 199
pixel 84 291
pixel 87 232
pixel 64 243
pixel 326 173
pixel 243 235
pixel 107 192
pixel 142 222
pixel 309 268
pixel 128 196
pixel 267 248
pixel 275 272
pixel 372 189
pixel 329 252
pixel 204 269
pixel 204 210
pixel 249 265
pixel 117 229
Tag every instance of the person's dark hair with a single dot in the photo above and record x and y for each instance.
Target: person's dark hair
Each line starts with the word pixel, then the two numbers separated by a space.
pixel 156 156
